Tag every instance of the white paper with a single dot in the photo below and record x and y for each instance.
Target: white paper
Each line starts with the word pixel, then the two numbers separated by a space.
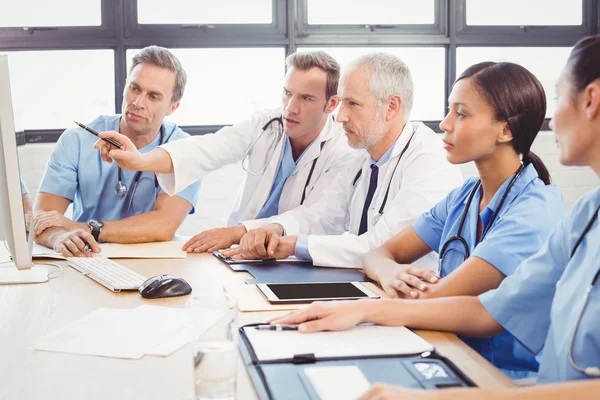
pixel 104 332
pixel 39 251
pixel 119 333
pixel 345 382
pixel 362 340
pixel 116 250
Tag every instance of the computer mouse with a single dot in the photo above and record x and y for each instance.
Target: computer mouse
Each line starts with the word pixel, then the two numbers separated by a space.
pixel 164 286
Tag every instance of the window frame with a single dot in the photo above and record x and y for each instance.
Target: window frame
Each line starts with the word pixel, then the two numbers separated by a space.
pixel 120 31
pixel 380 33
pixel 22 38
pixel 215 35
pixel 543 35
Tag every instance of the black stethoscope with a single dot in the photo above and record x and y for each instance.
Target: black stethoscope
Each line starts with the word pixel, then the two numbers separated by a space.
pixel 121 189
pixel 279 136
pixel 379 214
pixel 589 371
pixel 458 236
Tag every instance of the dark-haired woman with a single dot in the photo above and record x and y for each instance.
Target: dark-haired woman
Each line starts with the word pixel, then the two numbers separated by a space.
pixel 551 302
pixel 485 228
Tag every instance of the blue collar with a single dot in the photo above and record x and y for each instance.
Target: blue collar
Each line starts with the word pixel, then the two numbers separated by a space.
pixel 385 157
pixel 528 175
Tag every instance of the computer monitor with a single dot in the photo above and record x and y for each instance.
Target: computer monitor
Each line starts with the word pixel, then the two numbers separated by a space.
pixel 12 220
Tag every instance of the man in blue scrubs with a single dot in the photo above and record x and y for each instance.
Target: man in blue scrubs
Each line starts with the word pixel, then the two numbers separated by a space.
pixel 110 205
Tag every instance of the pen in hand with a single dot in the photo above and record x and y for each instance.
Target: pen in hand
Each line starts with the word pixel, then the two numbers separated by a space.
pixel 277 327
pixel 93 132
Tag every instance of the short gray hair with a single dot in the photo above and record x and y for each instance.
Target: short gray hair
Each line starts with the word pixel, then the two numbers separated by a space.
pixel 388 76
pixel 163 58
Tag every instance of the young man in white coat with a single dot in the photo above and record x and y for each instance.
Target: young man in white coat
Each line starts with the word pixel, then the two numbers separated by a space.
pixel 402 173
pixel 297 156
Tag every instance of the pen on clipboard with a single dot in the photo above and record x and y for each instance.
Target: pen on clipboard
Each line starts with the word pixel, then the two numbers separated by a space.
pixel 276 327
pixel 93 132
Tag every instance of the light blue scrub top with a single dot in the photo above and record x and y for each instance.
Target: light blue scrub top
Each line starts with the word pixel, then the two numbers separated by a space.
pixel 301 251
pixel 76 172
pixel 529 213
pixel 541 302
pixel 24 189
pixel 285 169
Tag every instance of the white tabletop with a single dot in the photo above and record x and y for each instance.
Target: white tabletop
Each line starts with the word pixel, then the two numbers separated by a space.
pixel 28 312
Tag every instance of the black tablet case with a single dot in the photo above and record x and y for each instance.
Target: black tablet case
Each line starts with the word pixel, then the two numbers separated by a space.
pixel 271 271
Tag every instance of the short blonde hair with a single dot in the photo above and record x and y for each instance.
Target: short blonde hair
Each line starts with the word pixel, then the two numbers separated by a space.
pixel 163 58
pixel 318 59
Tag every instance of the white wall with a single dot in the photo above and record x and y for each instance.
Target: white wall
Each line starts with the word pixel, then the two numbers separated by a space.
pixel 572 181
pixel 219 188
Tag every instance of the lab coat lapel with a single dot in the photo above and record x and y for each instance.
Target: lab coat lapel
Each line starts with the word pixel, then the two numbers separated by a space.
pixel 358 195
pixel 264 184
pixel 360 191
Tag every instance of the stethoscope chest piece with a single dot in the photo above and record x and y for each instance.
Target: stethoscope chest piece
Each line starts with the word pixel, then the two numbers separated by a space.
pixel 120 189
pixel 376 218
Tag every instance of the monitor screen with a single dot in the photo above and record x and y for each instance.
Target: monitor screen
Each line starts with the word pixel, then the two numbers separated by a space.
pixel 12 213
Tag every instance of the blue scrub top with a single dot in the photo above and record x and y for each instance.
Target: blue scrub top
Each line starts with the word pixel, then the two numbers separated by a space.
pixel 76 172
pixel 529 213
pixel 285 169
pixel 24 189
pixel 541 302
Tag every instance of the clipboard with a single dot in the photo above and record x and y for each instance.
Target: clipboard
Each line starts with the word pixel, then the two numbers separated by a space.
pixel 285 378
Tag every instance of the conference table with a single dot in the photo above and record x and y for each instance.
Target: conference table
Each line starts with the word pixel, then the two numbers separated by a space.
pixel 29 312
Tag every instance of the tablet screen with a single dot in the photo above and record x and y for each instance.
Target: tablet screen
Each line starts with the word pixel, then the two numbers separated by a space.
pixel 315 290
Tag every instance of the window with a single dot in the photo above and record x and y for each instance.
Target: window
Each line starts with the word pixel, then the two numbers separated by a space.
pixel 234 50
pixel 205 12
pixel 340 12
pixel 50 89
pixel 524 13
pixel 426 65
pixel 545 63
pixel 44 13
pixel 226 85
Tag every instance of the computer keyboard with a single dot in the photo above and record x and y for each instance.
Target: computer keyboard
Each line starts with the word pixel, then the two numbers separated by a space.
pixel 107 273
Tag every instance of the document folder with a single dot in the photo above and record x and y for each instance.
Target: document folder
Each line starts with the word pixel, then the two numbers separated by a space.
pixel 291 271
pixel 285 378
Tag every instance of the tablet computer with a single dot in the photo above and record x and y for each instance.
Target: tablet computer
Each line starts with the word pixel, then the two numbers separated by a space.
pixel 314 291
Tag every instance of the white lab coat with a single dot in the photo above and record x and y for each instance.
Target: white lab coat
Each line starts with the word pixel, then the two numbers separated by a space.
pixel 423 177
pixel 196 156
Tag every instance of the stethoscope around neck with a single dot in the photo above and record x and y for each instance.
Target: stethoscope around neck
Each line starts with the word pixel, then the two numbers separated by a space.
pixel 593 370
pixel 247 153
pixel 458 237
pixel 121 189
pixel 264 167
pixel 379 213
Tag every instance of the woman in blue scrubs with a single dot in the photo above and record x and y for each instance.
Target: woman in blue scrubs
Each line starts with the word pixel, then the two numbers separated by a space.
pixel 551 302
pixel 485 228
